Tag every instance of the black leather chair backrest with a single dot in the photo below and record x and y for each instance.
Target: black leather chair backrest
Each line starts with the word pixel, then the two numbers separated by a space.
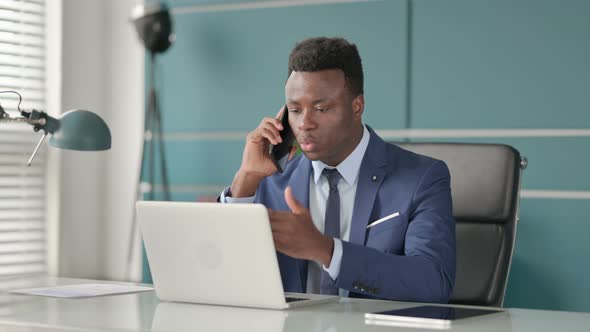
pixel 485 185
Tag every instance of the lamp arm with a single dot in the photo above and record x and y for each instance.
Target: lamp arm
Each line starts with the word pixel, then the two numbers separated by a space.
pixel 38 119
pixel 41 121
pixel 35 122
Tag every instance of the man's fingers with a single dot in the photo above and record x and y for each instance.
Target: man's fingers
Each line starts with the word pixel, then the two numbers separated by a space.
pixel 280 113
pixel 274 215
pixel 278 245
pixel 272 136
pixel 274 122
pixel 281 222
pixel 293 204
pixel 278 217
pixel 270 123
pixel 279 228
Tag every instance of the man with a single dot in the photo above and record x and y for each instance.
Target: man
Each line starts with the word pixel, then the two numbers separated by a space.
pixel 351 215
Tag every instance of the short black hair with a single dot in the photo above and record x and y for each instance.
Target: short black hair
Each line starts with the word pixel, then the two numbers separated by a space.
pixel 321 53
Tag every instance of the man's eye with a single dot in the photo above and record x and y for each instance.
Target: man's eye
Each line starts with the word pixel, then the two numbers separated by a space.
pixel 321 110
pixel 294 111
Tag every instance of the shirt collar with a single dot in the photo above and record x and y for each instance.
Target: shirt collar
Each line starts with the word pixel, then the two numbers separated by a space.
pixel 349 167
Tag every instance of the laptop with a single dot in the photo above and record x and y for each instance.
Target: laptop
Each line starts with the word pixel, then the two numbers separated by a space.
pixel 214 253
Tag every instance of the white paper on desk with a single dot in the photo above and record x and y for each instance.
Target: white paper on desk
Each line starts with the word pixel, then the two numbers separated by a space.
pixel 82 290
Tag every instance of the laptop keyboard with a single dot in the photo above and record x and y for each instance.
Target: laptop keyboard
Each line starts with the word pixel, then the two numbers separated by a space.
pixel 294 299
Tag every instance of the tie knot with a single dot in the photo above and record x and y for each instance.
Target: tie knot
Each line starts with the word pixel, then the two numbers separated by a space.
pixel 333 177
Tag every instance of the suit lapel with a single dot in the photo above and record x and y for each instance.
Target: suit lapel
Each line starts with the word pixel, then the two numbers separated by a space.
pixel 371 175
pixel 299 183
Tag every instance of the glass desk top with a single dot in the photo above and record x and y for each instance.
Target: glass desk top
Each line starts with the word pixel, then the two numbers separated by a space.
pixel 144 312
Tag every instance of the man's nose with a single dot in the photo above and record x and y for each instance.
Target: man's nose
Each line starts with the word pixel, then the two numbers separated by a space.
pixel 307 121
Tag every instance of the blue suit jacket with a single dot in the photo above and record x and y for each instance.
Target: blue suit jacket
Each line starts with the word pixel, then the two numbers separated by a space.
pixel 408 258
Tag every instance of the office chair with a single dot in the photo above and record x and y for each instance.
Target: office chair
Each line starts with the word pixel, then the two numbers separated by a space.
pixel 485 185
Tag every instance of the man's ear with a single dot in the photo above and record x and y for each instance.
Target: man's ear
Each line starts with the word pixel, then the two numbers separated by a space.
pixel 358 106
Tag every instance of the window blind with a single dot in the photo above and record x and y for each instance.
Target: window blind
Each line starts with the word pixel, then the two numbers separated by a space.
pixel 22 189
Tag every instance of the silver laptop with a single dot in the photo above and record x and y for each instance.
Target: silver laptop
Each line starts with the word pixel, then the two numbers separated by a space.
pixel 215 253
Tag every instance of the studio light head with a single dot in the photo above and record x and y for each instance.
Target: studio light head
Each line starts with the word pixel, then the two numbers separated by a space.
pixel 154 26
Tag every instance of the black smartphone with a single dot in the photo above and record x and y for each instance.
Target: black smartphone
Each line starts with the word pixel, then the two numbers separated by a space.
pixel 279 151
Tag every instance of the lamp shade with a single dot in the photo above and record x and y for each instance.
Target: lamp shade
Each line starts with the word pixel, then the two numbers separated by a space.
pixel 81 130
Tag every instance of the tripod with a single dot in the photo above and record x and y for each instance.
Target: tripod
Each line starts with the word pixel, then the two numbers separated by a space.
pixel 152 136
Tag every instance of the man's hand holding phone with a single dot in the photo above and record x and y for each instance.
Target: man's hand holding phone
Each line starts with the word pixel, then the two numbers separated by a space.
pixel 256 160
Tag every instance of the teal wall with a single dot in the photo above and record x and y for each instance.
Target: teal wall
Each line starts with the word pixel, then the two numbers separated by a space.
pixel 429 64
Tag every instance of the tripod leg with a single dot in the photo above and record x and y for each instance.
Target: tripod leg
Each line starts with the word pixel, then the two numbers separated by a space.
pixel 147 150
pixel 160 139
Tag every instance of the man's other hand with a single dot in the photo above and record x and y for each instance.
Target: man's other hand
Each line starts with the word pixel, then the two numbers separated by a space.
pixel 295 234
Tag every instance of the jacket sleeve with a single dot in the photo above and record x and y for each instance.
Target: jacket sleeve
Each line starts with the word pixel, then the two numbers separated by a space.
pixel 426 270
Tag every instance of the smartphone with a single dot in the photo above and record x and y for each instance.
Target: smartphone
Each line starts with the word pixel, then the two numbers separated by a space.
pixel 280 151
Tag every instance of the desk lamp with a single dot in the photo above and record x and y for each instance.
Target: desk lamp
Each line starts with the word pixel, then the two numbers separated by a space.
pixel 74 130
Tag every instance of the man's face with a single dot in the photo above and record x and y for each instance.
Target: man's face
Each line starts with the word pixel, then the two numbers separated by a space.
pixel 324 116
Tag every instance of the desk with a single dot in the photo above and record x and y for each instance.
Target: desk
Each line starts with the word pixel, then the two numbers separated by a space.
pixel 143 312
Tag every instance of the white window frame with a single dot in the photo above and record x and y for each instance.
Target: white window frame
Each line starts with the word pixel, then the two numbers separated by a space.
pixel 53 88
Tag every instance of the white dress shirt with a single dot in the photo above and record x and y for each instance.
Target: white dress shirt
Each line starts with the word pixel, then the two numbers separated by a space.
pixel 318 195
